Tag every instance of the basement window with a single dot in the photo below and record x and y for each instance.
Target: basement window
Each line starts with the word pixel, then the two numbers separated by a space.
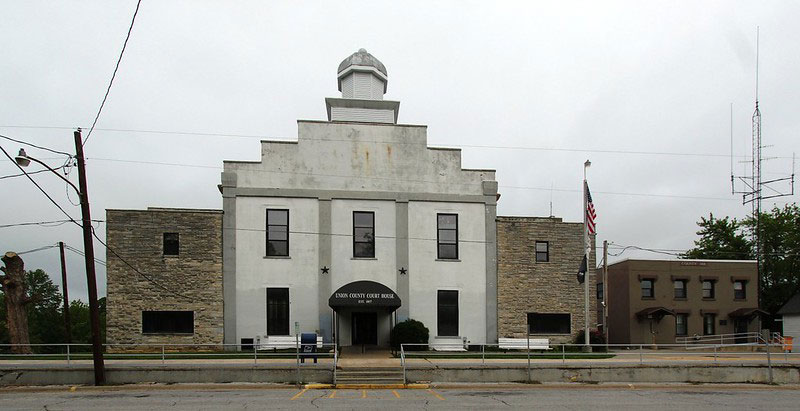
pixel 167 322
pixel 547 323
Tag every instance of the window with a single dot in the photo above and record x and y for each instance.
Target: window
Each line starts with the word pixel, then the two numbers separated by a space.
pixel 708 324
pixel 167 322
pixel 680 288
pixel 278 233
pixel 540 323
pixel 447 236
pixel 647 288
pixel 171 243
pixel 542 252
pixel 680 324
pixel 447 314
pixel 739 290
pixel 363 234
pixel 708 289
pixel 277 311
pixel 599 291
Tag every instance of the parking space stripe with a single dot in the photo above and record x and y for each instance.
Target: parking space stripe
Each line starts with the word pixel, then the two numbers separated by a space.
pixel 299 394
pixel 436 395
pixel 363 393
pixel 395 394
pixel 333 394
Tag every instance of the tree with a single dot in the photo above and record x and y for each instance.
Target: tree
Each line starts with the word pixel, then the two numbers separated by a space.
pixel 45 315
pixel 780 255
pixel 17 300
pixel 720 240
pixel 779 231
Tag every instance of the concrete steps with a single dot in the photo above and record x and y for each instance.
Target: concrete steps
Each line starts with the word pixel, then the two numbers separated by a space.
pixel 371 375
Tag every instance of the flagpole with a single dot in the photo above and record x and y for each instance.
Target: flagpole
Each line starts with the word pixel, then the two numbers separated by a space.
pixel 586 246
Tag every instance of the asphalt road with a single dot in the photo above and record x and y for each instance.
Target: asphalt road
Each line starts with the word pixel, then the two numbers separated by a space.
pixel 562 397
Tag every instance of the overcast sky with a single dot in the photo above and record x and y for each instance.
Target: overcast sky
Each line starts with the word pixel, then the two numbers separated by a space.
pixel 521 87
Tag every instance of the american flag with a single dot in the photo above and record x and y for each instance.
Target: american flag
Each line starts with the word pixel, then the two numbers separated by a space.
pixel 590 214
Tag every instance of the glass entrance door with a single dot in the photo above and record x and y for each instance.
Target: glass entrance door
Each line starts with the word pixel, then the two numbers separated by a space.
pixel 364 329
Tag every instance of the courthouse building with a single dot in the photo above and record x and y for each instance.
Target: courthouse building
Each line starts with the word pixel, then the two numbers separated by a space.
pixel 358 225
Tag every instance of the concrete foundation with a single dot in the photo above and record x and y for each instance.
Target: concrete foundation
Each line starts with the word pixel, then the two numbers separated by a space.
pixel 728 373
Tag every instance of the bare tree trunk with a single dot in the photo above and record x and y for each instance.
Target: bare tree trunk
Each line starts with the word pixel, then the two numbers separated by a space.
pixel 15 289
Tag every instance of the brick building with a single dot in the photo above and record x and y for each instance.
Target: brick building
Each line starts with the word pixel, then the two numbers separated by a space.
pixel 657 301
pixel 538 259
pixel 168 289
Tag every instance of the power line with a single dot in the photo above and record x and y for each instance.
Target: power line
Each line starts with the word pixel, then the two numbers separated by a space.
pixel 143 275
pixel 37 249
pixel 41 189
pixel 82 254
pixel 32 172
pixel 36 146
pixel 53 223
pixel 482 146
pixel 114 75
pixel 350 177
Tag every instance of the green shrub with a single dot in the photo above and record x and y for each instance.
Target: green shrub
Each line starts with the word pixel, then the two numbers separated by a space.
pixel 410 332
pixel 596 338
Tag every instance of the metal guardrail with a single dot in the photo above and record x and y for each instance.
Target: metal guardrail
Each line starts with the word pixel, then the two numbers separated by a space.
pixel 167 353
pixel 735 338
pixel 481 354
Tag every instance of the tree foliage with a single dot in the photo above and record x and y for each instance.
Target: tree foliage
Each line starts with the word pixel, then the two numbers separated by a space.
pixel 46 315
pixel 779 230
pixel 721 239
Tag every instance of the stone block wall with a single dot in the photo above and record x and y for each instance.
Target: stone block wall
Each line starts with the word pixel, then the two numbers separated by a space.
pixel 189 281
pixel 526 286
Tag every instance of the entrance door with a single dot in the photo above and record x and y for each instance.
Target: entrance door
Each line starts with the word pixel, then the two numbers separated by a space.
pixel 364 328
pixel 740 329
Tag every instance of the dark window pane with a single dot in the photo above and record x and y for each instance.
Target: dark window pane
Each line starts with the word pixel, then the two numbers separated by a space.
pixel 448 251
pixel 363 219
pixel 680 288
pixel 171 244
pixel 448 236
pixel 278 217
pixel 277 311
pixel 277 233
pixel 447 313
pixel 448 221
pixel 278 248
pixel 739 291
pixel 708 324
pixel 647 288
pixel 361 235
pixel 545 323
pixel 364 250
pixel 167 322
pixel 680 324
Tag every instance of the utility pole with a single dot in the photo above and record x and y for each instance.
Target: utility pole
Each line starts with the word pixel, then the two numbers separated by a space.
pixel 67 327
pixel 88 250
pixel 605 291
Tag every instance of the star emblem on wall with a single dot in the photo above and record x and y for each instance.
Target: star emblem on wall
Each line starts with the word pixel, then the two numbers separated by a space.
pixel 403 271
pixel 325 269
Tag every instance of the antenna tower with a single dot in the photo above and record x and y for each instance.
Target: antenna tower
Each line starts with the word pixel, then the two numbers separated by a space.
pixel 752 186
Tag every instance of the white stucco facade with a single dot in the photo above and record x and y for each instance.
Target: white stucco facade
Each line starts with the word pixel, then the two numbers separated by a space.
pixel 348 165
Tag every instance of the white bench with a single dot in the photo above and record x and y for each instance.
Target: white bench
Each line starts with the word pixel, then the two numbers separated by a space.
pixel 521 344
pixel 280 342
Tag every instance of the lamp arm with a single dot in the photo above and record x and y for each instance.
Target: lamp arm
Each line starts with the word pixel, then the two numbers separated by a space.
pixel 55 172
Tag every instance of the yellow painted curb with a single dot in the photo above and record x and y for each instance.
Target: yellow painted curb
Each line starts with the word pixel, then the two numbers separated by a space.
pixel 367 386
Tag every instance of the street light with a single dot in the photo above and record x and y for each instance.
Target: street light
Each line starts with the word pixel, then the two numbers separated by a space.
pixel 23 160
